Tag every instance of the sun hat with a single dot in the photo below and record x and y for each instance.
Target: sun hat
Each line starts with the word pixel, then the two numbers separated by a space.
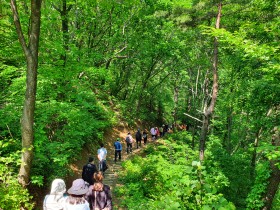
pixel 79 187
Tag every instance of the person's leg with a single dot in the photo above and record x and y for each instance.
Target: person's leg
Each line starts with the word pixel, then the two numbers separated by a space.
pixel 120 155
pixel 127 148
pixel 116 153
pixel 100 165
pixel 130 147
pixel 102 169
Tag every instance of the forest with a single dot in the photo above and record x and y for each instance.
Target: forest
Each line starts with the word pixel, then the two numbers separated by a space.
pixel 72 69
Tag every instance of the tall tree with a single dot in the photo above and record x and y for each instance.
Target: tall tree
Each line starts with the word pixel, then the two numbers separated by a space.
pixel 64 25
pixel 30 50
pixel 208 110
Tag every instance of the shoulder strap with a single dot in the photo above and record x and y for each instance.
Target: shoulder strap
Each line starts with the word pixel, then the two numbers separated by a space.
pixel 94 199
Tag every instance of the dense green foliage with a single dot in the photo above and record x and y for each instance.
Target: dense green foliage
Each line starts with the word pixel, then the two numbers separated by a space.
pixel 13 196
pixel 105 61
pixel 169 176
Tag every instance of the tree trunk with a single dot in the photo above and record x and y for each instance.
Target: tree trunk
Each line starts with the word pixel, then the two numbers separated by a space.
pixel 175 109
pixel 254 155
pixel 209 111
pixel 31 54
pixel 274 178
pixel 64 25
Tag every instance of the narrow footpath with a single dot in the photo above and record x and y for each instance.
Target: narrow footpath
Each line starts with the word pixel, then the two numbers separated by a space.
pixel 111 175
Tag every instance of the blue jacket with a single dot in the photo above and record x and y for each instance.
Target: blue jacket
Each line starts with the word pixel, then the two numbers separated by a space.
pixel 118 146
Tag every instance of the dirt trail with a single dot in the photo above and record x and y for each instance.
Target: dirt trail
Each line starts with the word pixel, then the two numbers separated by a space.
pixel 109 139
pixel 111 174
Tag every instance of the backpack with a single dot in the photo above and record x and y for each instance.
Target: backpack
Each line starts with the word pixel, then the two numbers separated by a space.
pixel 138 136
pixel 88 173
pixel 127 139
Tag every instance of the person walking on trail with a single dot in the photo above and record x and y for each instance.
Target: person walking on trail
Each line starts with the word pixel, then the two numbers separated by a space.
pixel 118 149
pixel 129 141
pixel 157 132
pixel 138 137
pixel 145 137
pixel 88 170
pixel 76 199
pixel 160 131
pixel 153 133
pixel 57 197
pixel 99 195
pixel 101 154
pixel 165 129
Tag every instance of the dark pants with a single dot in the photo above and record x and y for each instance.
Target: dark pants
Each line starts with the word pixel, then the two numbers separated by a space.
pixel 145 140
pixel 118 153
pixel 138 143
pixel 101 165
pixel 128 147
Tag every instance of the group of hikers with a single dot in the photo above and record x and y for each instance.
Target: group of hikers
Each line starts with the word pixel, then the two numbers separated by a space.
pixel 139 136
pixel 89 192
pixel 86 193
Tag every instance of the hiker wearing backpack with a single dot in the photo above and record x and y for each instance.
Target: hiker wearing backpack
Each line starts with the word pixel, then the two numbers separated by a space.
pixel 145 136
pixel 153 133
pixel 118 149
pixel 88 170
pixel 101 154
pixel 129 141
pixel 99 195
pixel 138 137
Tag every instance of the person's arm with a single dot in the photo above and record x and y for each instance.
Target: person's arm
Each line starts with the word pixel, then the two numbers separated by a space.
pixel 45 202
pixel 98 155
pixel 105 153
pixel 83 173
pixel 88 196
pixel 109 197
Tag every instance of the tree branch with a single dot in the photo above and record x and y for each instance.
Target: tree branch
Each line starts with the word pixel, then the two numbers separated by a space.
pixel 192 117
pixel 18 28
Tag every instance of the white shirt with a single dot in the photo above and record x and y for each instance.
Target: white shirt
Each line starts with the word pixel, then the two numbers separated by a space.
pixel 84 206
pixel 54 202
pixel 102 152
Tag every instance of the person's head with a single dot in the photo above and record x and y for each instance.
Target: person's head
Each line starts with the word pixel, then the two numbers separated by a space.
pixel 98 185
pixel 90 159
pixel 118 139
pixel 58 187
pixel 98 177
pixel 101 145
pixel 78 188
pixel 128 133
